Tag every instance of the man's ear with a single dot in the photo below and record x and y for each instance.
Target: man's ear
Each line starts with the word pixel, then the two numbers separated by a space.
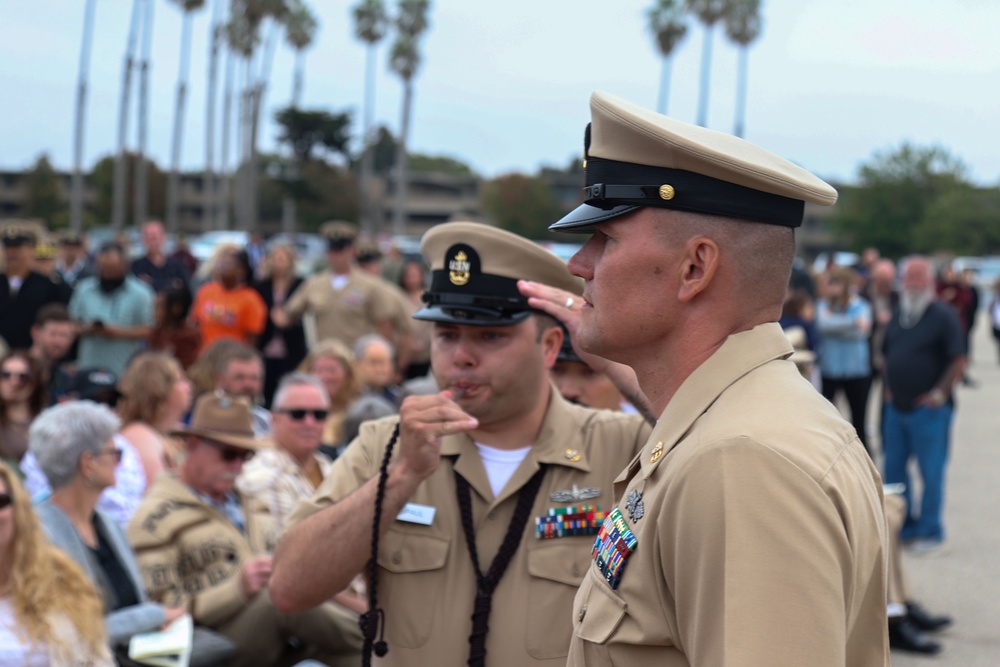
pixel 700 263
pixel 552 339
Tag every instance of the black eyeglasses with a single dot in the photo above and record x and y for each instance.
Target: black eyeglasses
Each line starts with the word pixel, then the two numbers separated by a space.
pixel 230 454
pixel 5 500
pixel 7 375
pixel 298 414
pixel 116 453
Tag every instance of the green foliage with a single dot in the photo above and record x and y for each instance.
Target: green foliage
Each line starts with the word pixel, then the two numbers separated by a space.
pixel 963 221
pixel 43 197
pixel 521 204
pixel 300 25
pixel 897 191
pixel 102 179
pixel 668 25
pixel 440 164
pixel 370 21
pixel 309 132
pixel 321 191
pixel 743 21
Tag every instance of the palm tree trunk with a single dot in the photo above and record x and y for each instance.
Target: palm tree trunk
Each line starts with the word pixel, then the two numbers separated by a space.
pixel 214 37
pixel 741 93
pixel 142 184
pixel 76 198
pixel 289 214
pixel 661 104
pixel 173 197
pixel 225 194
pixel 368 221
pixel 402 162
pixel 120 175
pixel 246 113
pixel 259 92
pixel 298 78
pixel 706 69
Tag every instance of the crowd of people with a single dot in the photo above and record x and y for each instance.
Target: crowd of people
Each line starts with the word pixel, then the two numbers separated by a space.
pixel 174 438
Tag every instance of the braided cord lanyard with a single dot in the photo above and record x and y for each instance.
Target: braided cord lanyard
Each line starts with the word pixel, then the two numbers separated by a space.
pixel 370 619
pixel 487 583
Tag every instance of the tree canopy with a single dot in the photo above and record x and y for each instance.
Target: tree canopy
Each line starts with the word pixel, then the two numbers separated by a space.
pixel 311 131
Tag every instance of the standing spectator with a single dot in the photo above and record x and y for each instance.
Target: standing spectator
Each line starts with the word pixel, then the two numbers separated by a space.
pixel 74 263
pixel 182 253
pixel 174 333
pixel 52 337
pixel 346 302
pixel 227 307
pixel 155 268
pixel 369 259
pixel 155 396
pixel 199 547
pixel 50 613
pixel 844 321
pixel 23 292
pixel 995 315
pixel 44 264
pixel 333 364
pixel 884 299
pixel 414 283
pixel 22 397
pixel 283 348
pixel 925 357
pixel 114 310
pixel 375 358
pixel 967 283
pixel 255 255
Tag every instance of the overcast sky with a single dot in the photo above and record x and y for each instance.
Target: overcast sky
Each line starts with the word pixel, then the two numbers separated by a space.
pixel 505 86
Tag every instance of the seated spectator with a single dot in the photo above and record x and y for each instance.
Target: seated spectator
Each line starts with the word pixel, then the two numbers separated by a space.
pixel 227 307
pixel 376 367
pixel 173 333
pixel 283 348
pixel 239 372
pixel 202 372
pixel 333 364
pixel 120 500
pixel 50 613
pixel 199 548
pixel 155 397
pixel 75 445
pixel 368 407
pixel 52 337
pixel 22 398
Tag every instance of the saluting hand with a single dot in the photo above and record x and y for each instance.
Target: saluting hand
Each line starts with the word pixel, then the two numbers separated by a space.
pixel 423 422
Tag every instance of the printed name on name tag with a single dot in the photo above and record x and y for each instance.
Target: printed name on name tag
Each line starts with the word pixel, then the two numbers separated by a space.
pixel 414 513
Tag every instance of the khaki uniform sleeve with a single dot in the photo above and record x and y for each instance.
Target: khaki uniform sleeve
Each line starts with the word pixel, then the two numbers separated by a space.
pixel 296 305
pixel 757 556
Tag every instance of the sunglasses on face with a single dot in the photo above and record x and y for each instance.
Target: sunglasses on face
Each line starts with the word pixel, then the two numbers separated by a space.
pixel 21 377
pixel 230 454
pixel 116 453
pixel 5 500
pixel 298 414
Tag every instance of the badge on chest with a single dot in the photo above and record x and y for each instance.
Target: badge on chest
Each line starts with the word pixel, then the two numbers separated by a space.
pixel 614 544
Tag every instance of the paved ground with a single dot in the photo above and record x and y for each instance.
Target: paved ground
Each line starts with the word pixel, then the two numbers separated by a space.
pixel 963 578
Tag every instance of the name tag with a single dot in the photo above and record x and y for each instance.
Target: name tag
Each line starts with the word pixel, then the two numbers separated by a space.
pixel 414 513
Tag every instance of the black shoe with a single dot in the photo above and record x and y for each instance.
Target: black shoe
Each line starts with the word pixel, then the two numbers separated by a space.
pixel 905 636
pixel 924 620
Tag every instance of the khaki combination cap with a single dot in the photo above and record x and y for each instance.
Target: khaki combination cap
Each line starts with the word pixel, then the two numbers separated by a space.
pixel 634 157
pixel 339 234
pixel 226 419
pixel 474 274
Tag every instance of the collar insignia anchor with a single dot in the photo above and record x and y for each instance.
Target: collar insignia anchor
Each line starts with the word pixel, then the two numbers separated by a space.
pixel 633 503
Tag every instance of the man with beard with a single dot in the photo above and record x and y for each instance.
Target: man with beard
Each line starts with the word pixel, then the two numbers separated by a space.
pixel 239 372
pixel 925 356
pixel 494 491
pixel 114 311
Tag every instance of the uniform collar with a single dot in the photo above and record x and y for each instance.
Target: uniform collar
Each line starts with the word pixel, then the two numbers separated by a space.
pixel 741 353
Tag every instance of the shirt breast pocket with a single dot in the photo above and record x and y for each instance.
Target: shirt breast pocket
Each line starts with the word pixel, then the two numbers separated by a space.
pixel 556 567
pixel 412 578
pixel 600 613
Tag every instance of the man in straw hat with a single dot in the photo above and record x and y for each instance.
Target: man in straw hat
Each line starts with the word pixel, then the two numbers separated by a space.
pixel 198 549
pixel 496 486
pixel 758 534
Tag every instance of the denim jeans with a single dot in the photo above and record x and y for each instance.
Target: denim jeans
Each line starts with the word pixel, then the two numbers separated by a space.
pixel 922 433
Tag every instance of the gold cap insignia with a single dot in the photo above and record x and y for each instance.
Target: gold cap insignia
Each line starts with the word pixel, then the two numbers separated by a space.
pixel 667 192
pixel 459 268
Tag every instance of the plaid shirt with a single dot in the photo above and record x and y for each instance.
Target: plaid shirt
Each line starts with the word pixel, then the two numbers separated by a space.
pixel 273 483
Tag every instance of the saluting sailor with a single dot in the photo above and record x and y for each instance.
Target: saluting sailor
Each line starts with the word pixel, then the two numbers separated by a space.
pixel 496 489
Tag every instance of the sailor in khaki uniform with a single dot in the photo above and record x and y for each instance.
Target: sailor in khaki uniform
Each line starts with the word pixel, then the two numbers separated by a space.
pixel 198 549
pixel 346 302
pixel 749 530
pixel 530 472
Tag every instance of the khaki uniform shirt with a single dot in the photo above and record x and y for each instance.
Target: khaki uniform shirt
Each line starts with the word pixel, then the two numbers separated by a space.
pixel 346 314
pixel 761 540
pixel 190 553
pixel 426 581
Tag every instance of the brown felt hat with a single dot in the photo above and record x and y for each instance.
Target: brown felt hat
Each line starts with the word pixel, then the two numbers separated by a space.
pixel 634 157
pixel 226 419
pixel 474 274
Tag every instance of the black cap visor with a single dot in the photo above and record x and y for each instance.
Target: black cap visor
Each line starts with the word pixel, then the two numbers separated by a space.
pixel 582 219
pixel 471 315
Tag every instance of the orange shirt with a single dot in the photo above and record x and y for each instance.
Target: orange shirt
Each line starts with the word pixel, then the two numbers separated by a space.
pixel 236 314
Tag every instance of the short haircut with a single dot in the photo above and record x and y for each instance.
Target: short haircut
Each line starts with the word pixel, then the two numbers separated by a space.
pixel 297 379
pixel 52 312
pixel 238 352
pixel 60 435
pixel 366 408
pixel 365 342
pixel 110 247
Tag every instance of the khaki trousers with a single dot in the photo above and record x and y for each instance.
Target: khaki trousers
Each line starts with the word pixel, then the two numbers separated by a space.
pixel 895 514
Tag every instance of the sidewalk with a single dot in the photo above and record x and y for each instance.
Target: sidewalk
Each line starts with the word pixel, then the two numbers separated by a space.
pixel 963 578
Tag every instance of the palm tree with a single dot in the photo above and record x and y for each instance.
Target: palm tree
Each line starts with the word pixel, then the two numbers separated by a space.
pixel 709 12
pixel 121 167
pixel 404 60
pixel 142 165
pixel 300 31
pixel 666 22
pixel 743 26
pixel 215 37
pixel 370 25
pixel 189 7
pixel 76 199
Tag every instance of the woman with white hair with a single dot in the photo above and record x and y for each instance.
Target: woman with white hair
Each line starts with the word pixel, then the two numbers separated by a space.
pixel 74 446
